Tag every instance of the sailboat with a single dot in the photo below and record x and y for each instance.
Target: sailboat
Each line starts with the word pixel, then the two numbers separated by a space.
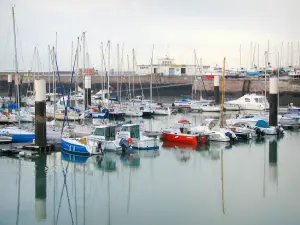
pixel 16 133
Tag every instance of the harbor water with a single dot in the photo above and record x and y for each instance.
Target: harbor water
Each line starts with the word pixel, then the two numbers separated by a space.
pixel 253 182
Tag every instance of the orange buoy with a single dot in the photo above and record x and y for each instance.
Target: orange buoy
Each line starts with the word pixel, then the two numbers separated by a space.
pixel 129 140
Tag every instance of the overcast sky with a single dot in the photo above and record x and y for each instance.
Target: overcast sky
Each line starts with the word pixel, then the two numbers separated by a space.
pixel 215 28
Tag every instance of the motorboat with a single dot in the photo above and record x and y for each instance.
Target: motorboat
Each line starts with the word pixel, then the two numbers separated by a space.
pixel 147 111
pixel 102 139
pixel 248 118
pixel 251 102
pixel 183 103
pixel 133 112
pixel 183 133
pixel 136 139
pixel 162 111
pixel 245 131
pixel 269 130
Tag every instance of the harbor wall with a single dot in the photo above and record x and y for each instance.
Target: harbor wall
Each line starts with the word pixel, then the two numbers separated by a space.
pixel 174 87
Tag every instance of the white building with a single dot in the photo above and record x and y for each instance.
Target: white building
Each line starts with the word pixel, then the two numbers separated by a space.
pixel 168 67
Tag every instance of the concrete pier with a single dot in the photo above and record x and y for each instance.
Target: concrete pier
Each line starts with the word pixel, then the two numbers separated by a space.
pixel 40 113
pixel 217 89
pixel 87 91
pixel 10 85
pixel 273 100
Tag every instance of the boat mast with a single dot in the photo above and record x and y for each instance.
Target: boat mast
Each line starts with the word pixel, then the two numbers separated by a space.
pixel 195 69
pixel 201 72
pixel 83 73
pixel 108 68
pixel 258 56
pixel 299 53
pixel 103 74
pixel 16 65
pixel 151 75
pixel 240 56
pixel 118 68
pixel 128 78
pixel 49 65
pixel 223 95
pixel 292 54
pixel 54 84
pixel 133 71
pixel 122 72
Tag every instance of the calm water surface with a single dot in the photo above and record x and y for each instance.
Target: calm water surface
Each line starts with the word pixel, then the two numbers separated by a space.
pixel 247 183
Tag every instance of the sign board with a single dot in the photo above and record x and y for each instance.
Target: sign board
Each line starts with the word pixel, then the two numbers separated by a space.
pixel 87 71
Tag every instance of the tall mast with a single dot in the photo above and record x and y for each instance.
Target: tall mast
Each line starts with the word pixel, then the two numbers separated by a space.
pixel 151 74
pixel 16 65
pixel 201 72
pixel 72 65
pixel 77 66
pixel 281 55
pixel 195 69
pixel 118 69
pixel 258 56
pixel 240 56
pixel 292 54
pixel 122 72
pixel 133 58
pixel 223 94
pixel 54 83
pixel 288 55
pixel 49 65
pixel 108 68
pixel 128 78
pixel 83 73
pixel 102 71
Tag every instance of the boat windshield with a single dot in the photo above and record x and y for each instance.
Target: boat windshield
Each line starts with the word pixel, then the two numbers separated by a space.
pixel 124 128
pixel 99 131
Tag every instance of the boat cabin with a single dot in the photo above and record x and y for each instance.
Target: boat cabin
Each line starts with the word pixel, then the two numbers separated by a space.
pixel 108 132
pixel 130 131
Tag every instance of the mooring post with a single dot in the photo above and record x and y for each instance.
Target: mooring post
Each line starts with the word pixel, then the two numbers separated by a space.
pixel 9 80
pixel 40 188
pixel 217 88
pixel 40 113
pixel 273 114
pixel 87 90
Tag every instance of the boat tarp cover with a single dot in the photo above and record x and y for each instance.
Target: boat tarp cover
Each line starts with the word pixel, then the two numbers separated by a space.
pixel 74 109
pixel 262 124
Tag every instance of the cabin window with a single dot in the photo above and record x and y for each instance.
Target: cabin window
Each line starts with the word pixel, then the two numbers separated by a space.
pixel 247 99
pixel 110 133
pixel 261 100
pixel 99 132
pixel 256 100
pixel 135 132
pixel 124 129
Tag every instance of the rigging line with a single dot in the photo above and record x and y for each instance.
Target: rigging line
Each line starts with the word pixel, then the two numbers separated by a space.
pixel 61 86
pixel 202 78
pixel 69 93
pixel 76 215
pixel 20 43
pixel 135 63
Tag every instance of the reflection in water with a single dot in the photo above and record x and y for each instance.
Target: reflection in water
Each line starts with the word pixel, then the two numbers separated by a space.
pixel 40 188
pixel 107 163
pixel 273 171
pixel 130 159
pixel 182 155
pixel 149 154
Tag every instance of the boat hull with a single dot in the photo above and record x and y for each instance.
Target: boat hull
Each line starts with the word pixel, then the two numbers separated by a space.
pixel 180 138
